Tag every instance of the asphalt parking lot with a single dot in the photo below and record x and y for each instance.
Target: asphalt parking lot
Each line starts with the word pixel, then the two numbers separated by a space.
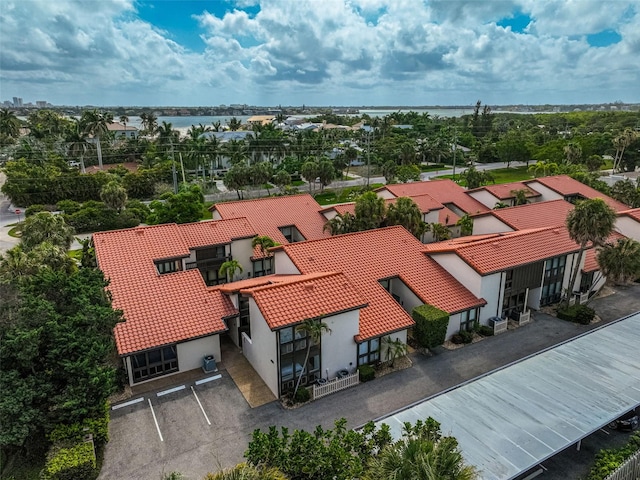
pixel 193 447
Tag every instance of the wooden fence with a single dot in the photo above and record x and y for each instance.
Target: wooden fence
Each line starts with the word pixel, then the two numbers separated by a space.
pixel 335 385
pixel 629 470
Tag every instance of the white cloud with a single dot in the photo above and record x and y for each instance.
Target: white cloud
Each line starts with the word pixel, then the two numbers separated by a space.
pixel 329 52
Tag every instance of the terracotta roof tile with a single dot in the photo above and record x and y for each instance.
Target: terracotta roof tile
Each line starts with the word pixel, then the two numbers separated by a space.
pixel 534 215
pixel 565 185
pixel 502 251
pixel 158 309
pixel 504 191
pixel 266 215
pixel 443 191
pixel 632 212
pixel 215 232
pixel 590 261
pixel 367 257
pixel 307 296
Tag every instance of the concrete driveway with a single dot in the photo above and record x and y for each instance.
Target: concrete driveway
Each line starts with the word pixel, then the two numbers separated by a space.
pixel 193 447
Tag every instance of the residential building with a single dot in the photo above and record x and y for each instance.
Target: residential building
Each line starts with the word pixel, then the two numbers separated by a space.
pixel 503 193
pixel 121 131
pixel 565 187
pixel 522 217
pixel 628 223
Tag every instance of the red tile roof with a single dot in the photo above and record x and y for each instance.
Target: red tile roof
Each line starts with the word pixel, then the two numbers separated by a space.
pixel 300 297
pixel 169 308
pixel 565 185
pixel 503 251
pixel 268 214
pixel 533 215
pixel 443 191
pixel 215 232
pixel 632 212
pixel 590 261
pixel 367 257
pixel 504 191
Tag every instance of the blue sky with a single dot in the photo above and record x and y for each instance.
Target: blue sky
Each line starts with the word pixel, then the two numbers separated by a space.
pixel 319 52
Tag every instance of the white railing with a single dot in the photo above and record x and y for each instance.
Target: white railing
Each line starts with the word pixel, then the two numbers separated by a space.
pixel 584 297
pixel 572 300
pixel 335 385
pixel 525 317
pixel 500 327
pixel 629 470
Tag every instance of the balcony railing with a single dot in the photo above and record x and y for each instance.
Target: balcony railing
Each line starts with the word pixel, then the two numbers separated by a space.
pixel 525 317
pixel 335 385
pixel 206 264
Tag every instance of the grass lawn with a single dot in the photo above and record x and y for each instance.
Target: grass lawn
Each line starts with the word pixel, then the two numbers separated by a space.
pixel 206 214
pixel 501 175
pixel 343 195
pixel 433 168
pixel 14 231
pixel 298 183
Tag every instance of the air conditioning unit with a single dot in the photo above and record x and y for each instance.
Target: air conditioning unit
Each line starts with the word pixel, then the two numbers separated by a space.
pixel 209 364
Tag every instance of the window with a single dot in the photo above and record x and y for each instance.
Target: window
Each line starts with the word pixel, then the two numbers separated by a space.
pixel 211 253
pixel 291 233
pixel 245 323
pixel 213 277
pixel 553 279
pixel 263 267
pixel 369 351
pixel 293 350
pixel 154 363
pixel 586 282
pixel 168 266
pixel 469 319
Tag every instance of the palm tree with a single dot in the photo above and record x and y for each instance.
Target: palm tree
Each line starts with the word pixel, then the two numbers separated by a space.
pixel 15 264
pixel 573 153
pixel 370 211
pixel 229 269
pixel 45 227
pixel 405 212
pixel 341 223
pixel 77 143
pixel 9 123
pixel 313 328
pixel 439 232
pixel 96 124
pixel 114 195
pixel 149 123
pixel 124 120
pixel 591 221
pixel 621 142
pixel 395 349
pixel 421 454
pixel 620 261
pixel 520 196
pixel 264 242
pixel 466 224
pixel 234 124
pixel 543 168
pixel 167 137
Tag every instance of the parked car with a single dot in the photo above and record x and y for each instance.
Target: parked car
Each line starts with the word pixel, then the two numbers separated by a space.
pixel 627 422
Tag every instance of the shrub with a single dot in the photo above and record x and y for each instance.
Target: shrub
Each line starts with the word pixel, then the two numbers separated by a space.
pixel 431 325
pixel 607 461
pixel 485 330
pixel 98 427
pixel 33 209
pixel 457 339
pixel 577 313
pixel 366 373
pixel 467 337
pixel 69 206
pixel 302 395
pixel 76 462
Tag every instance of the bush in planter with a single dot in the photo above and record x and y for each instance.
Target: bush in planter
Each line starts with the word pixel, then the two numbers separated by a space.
pixel 577 313
pixel 431 325
pixel 302 395
pixel 73 462
pixel 485 330
pixel 457 339
pixel 467 337
pixel 366 373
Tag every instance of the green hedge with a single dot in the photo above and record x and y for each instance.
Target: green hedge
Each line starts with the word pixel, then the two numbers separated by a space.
pixel 607 461
pixel 366 373
pixel 76 462
pixel 577 313
pixel 98 427
pixel 431 325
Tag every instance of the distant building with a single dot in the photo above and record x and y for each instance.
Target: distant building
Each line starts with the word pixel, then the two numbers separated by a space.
pixel 41 103
pixel 17 101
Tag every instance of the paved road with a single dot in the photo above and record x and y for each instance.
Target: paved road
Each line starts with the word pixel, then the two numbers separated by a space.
pixel 193 447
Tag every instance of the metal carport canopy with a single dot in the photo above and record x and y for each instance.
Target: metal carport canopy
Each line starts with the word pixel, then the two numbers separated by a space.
pixel 512 419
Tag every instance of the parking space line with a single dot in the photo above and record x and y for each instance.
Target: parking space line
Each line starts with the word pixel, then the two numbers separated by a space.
pixel 171 390
pixel 155 420
pixel 126 404
pixel 198 400
pixel 208 379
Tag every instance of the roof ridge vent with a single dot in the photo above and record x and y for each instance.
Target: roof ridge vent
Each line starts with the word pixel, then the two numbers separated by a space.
pixel 556 231
pixel 495 244
pixel 308 285
pixel 140 231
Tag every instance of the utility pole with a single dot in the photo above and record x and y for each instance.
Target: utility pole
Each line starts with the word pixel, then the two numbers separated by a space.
pixel 173 171
pixel 369 155
pixel 455 149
